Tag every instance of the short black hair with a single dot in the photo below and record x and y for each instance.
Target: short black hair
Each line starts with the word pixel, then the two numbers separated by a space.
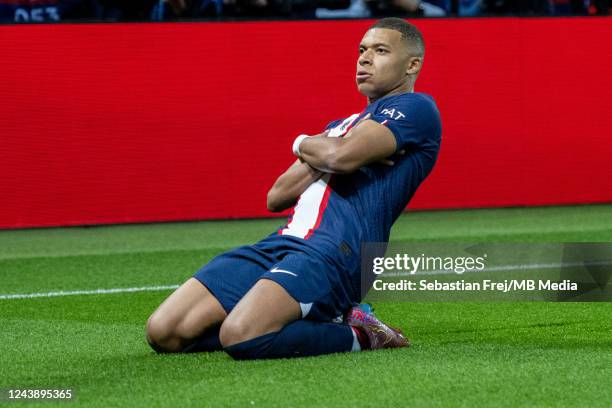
pixel 410 34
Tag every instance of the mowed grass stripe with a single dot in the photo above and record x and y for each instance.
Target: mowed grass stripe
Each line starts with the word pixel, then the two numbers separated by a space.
pixel 113 291
pixel 65 263
pixel 89 272
pixel 155 268
pixel 211 235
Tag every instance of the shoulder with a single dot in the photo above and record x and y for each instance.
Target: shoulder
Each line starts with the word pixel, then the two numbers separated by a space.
pixel 414 109
pixel 414 104
pixel 413 118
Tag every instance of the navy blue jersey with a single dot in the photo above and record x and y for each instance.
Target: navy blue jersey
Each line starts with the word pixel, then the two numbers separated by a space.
pixel 339 212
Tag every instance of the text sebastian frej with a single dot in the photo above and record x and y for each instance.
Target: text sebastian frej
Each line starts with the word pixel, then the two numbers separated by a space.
pixel 508 285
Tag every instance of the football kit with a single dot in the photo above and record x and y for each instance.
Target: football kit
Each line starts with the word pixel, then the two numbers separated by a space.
pixel 316 255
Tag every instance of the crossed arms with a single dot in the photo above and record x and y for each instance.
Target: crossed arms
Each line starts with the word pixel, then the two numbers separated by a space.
pixel 366 143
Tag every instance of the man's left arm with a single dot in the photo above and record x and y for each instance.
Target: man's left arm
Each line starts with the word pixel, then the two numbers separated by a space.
pixel 367 142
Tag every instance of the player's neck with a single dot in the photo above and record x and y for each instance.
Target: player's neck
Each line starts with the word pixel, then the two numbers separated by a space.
pixel 396 91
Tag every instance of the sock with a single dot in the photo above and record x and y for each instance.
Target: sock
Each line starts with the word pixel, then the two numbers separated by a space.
pixel 209 341
pixel 356 345
pixel 297 339
pixel 362 338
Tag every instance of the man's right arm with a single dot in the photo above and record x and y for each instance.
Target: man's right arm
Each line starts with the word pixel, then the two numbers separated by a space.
pixel 290 185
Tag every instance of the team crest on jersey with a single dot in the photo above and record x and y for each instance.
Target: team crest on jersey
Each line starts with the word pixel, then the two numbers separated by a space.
pixel 342 128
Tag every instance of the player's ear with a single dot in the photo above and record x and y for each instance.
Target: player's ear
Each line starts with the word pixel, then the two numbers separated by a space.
pixel 414 65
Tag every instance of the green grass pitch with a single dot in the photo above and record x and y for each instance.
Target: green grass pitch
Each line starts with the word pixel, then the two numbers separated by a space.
pixel 463 354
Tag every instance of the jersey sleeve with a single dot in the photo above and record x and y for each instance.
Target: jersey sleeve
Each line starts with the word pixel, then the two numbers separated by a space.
pixel 413 120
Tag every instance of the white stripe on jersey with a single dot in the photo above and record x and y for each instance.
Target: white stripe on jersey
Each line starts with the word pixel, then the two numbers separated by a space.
pixel 306 211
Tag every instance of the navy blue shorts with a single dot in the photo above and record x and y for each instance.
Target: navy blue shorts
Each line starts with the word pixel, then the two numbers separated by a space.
pixel 324 288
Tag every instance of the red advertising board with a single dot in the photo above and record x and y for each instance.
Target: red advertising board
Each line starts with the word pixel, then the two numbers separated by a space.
pixel 112 123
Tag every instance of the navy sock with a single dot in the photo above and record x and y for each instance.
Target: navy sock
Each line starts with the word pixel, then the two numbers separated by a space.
pixel 297 339
pixel 209 341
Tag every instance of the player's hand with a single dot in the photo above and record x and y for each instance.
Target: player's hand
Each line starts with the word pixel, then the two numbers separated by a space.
pixel 388 162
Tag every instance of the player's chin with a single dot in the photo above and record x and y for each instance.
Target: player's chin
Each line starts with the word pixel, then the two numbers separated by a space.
pixel 366 89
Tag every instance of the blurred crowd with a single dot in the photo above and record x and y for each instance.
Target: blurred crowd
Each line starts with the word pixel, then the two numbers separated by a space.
pixel 39 11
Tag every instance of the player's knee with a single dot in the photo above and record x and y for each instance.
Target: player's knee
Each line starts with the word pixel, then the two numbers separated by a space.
pixel 161 336
pixel 240 339
pixel 233 331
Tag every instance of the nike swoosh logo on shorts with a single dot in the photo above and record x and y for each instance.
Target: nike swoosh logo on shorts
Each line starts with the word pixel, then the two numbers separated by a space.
pixel 276 270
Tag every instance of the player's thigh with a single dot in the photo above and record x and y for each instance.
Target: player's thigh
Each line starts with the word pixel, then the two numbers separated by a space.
pixel 266 308
pixel 324 289
pixel 186 313
pixel 229 276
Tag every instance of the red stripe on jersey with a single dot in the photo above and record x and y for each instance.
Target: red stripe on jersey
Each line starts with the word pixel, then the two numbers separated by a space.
pixel 322 208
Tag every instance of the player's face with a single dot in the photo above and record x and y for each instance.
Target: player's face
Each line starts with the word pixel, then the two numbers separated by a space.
pixel 382 64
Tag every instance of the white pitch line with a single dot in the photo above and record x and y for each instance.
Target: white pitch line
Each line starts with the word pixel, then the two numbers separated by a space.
pixel 87 292
pixel 524 267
